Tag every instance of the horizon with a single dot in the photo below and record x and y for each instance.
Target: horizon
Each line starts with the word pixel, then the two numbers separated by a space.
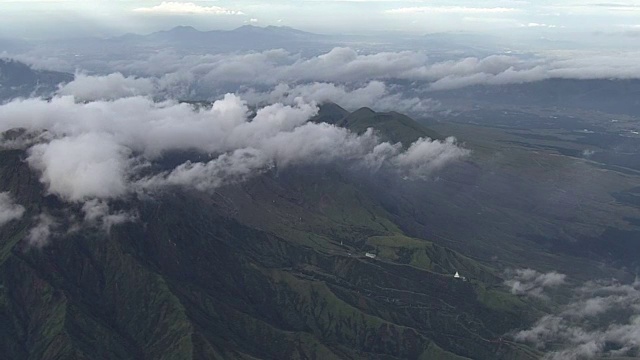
pixel 567 20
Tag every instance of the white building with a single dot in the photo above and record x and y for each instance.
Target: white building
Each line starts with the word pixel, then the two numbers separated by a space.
pixel 457 276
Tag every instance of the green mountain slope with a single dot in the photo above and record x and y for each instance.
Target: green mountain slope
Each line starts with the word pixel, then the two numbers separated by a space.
pixel 272 268
pixel 392 126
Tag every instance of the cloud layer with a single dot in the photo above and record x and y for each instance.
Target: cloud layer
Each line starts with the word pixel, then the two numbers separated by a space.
pixel 401 81
pixel 374 94
pixel 344 65
pixel 449 10
pixel 602 320
pixel 109 149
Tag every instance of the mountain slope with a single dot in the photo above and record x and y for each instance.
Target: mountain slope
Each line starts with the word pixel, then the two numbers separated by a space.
pixel 271 268
pixel 391 126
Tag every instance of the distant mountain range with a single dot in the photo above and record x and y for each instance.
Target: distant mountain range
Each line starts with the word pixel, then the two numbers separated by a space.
pixel 88 51
pixel 188 40
pixel 247 37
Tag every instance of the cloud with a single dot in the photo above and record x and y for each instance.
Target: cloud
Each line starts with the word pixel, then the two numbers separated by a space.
pixel 109 149
pixel 425 156
pixel 75 168
pixel 227 168
pixel 601 321
pixel 8 209
pixel 39 235
pixel 538 25
pixel 108 87
pixel 449 10
pixel 207 74
pixel 374 94
pixel 174 7
pixel 271 67
pixel 97 212
pixel 171 75
pixel 532 283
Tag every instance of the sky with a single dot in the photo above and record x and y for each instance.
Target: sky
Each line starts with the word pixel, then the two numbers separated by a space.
pixel 64 18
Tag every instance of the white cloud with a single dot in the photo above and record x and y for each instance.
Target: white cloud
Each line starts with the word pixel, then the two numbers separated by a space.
pixel 98 212
pixel 97 150
pixel 8 209
pixel 538 25
pixel 228 168
pixel 108 87
pixel 425 156
pixel 374 94
pixel 204 74
pixel 39 235
pixel 532 283
pixel 601 321
pixel 84 166
pixel 174 7
pixel 449 9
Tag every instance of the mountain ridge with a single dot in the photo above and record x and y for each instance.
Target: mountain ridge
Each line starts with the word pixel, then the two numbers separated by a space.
pixel 18 79
pixel 268 268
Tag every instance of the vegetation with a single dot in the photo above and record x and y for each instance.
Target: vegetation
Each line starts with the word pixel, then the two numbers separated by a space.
pixel 272 268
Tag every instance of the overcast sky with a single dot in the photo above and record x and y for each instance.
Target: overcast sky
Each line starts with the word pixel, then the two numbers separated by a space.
pixel 52 18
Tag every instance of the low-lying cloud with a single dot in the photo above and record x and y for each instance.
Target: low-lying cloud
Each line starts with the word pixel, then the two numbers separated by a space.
pixel 98 212
pixel 40 233
pixel 9 210
pixel 83 166
pixel 530 282
pixel 374 94
pixel 602 321
pixel 109 149
pixel 343 65
pixel 353 77
pixel 108 87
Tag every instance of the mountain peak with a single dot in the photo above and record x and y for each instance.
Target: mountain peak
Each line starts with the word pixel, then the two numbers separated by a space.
pixel 183 29
pixel 392 126
pixel 248 28
pixel 364 111
pixel 272 29
pixel 330 113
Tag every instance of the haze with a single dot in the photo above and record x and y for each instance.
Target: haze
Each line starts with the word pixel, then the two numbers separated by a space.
pixel 558 20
